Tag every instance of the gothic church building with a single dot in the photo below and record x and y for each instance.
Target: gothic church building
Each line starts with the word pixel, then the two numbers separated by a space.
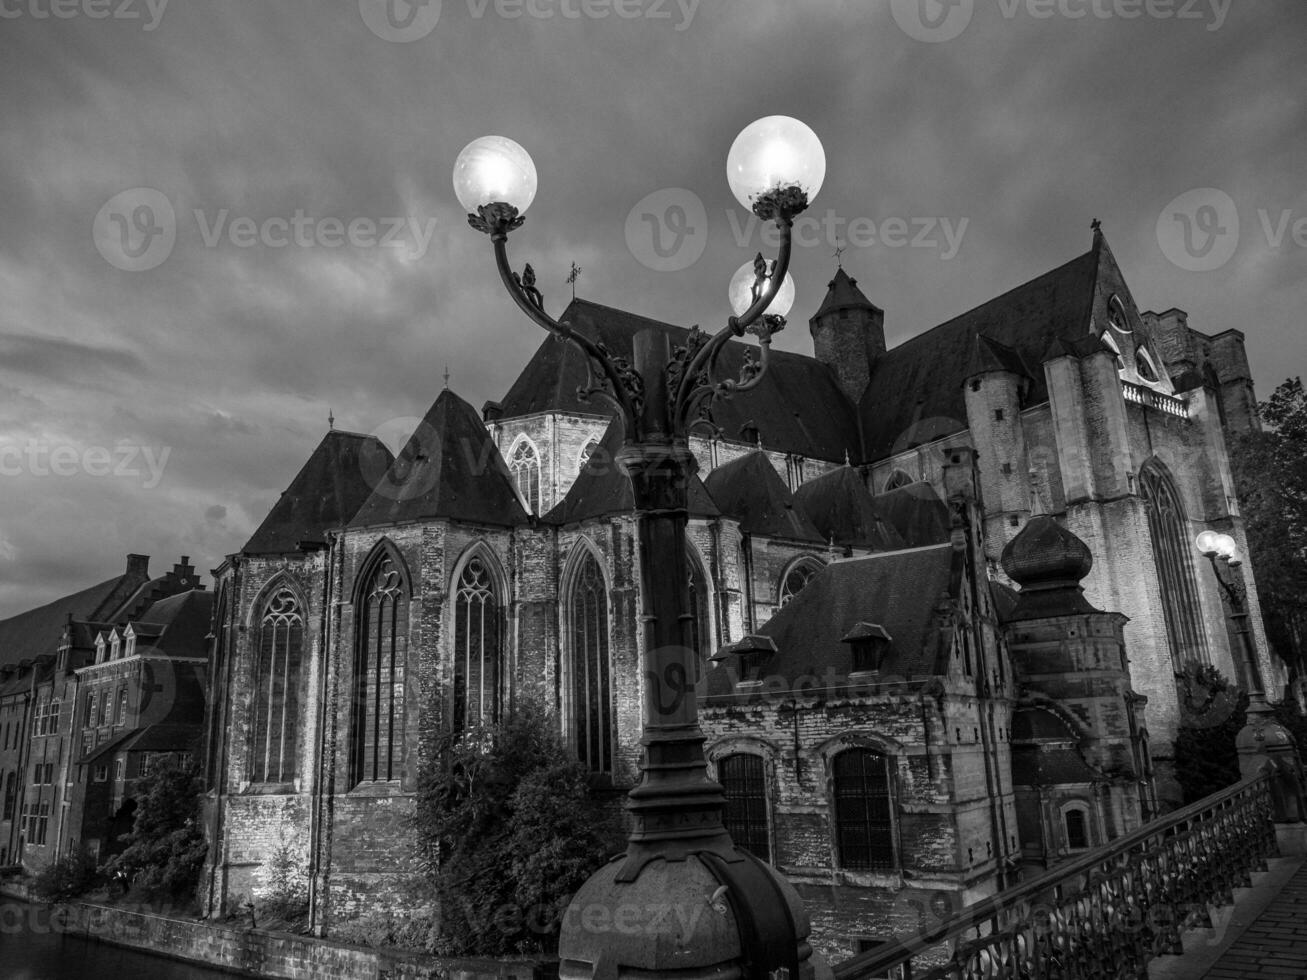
pixel 968 559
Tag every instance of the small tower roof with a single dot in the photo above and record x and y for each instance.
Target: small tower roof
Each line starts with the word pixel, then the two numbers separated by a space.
pixel 1048 562
pixel 842 293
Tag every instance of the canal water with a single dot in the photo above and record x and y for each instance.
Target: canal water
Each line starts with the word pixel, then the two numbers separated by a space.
pixel 32 949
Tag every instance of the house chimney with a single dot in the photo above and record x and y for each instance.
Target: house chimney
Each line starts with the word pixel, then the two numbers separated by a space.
pixel 138 566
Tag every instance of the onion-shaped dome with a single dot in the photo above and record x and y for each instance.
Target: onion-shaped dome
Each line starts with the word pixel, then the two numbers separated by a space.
pixel 1046 555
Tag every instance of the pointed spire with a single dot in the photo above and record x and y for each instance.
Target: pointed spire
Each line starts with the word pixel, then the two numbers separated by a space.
pixel 331 421
pixel 446 377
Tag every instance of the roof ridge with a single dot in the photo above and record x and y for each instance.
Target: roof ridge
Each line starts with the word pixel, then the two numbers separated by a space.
pixel 994 299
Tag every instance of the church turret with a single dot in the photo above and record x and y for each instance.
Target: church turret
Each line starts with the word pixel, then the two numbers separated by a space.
pixel 848 334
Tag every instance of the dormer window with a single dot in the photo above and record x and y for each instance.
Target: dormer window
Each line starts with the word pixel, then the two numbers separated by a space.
pixel 869 643
pixel 750 656
pixel 99 648
pixel 130 635
pixel 115 645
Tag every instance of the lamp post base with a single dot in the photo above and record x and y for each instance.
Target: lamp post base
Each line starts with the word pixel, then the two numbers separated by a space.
pixel 701 916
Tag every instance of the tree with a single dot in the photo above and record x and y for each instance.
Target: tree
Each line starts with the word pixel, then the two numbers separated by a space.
pixel 165 849
pixel 510 827
pixel 1270 474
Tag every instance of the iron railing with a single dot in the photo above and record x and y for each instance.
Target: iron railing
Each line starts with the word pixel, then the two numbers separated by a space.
pixel 1103 914
pixel 1159 400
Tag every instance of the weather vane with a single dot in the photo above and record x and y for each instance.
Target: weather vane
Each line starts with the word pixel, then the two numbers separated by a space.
pixel 572 277
pixel 446 377
pixel 331 421
pixel 838 255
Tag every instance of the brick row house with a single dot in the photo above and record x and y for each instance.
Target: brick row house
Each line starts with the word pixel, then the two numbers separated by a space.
pixel 59 705
pixel 941 595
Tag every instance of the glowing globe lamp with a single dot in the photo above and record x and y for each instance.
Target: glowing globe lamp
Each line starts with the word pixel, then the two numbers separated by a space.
pixel 775 153
pixel 741 295
pixel 494 170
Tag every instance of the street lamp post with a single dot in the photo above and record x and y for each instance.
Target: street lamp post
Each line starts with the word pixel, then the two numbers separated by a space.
pixel 1263 741
pixel 683 898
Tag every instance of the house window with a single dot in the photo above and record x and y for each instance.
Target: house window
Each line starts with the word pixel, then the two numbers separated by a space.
pixel 1077 828
pixel 745 816
pixel 864 828
pixel 11 795
pixel 122 707
pixel 524 464
pixel 478 642
pixel 1167 529
pixel 591 689
pixel 90 710
pixel 379 685
pixel 53 725
pixel 796 577
pixel 276 700
pixel 101 773
pixel 119 769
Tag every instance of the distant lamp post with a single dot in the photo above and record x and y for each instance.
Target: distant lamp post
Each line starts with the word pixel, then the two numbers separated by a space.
pixel 1263 741
pixel 730 914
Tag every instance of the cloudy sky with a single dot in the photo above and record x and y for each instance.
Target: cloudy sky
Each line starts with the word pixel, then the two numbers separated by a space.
pixel 220 221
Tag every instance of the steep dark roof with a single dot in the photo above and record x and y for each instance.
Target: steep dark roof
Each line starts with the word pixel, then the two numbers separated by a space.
pixel 842 293
pixel 899 591
pixel 38 631
pixel 916 513
pixel 841 509
pixel 988 355
pixel 601 488
pixel 326 493
pixel 152 738
pixel 449 468
pixel 916 393
pixel 180 624
pixel 797 408
pixel 750 490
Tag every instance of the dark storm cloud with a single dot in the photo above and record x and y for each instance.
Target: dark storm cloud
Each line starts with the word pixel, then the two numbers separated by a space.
pixel 229 354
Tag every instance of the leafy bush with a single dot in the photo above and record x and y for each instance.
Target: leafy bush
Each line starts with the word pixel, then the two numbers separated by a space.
pixel 286 897
pixel 509 827
pixel 165 849
pixel 1212 711
pixel 70 877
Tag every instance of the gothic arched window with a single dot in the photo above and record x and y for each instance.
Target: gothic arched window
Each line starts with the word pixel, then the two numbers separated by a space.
pixel 379 679
pixel 478 644
pixel 524 465
pixel 590 687
pixel 1144 366
pixel 796 577
pixel 864 825
pixel 1116 315
pixel 897 479
pixel 701 626
pixel 1167 529
pixel 279 649
pixel 745 815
